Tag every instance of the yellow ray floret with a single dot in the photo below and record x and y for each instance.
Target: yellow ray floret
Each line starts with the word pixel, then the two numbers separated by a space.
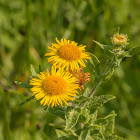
pixel 54 88
pixel 67 54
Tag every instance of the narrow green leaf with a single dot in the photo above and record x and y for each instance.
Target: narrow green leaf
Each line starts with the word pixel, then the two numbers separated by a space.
pixel 60 112
pixel 27 100
pixel 94 60
pixel 99 44
pixel 23 85
pixel 32 70
pixel 107 48
pixel 69 137
pixel 109 74
pixel 132 52
pixel 98 101
pixel 72 116
pixel 96 64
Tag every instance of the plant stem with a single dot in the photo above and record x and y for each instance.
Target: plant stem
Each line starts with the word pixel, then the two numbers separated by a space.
pixel 99 81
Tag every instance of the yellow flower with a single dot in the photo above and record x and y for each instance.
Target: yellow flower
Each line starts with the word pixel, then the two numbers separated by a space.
pixel 119 39
pixel 67 54
pixel 55 87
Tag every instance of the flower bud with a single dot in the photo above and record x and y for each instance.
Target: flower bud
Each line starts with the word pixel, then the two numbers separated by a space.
pixel 119 40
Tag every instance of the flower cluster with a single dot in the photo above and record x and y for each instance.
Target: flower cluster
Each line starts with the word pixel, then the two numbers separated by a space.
pixel 66 76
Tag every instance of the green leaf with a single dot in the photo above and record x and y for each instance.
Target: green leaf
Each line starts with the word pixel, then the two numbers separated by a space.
pixel 69 137
pixel 72 116
pixel 101 121
pixel 27 100
pixel 88 118
pixel 94 127
pixel 96 64
pixel 99 44
pixel 110 126
pixel 132 52
pixel 60 112
pixel 85 133
pixel 87 91
pixel 107 48
pixel 81 99
pixel 114 137
pixel 60 133
pixel 94 60
pixel 32 70
pixel 98 101
pixel 23 85
pixel 109 74
pixel 98 136
pixel 106 124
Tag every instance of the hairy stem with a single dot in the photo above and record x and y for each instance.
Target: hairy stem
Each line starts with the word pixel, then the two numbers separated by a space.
pixel 100 81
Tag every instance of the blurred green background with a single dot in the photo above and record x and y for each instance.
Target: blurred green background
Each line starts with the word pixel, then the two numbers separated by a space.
pixel 28 27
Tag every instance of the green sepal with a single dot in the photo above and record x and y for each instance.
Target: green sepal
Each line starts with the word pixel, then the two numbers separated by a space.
pixel 72 116
pixel 23 85
pixel 97 101
pixel 58 111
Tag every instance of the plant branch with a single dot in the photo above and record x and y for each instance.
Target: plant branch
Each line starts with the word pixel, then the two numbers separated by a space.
pixel 99 81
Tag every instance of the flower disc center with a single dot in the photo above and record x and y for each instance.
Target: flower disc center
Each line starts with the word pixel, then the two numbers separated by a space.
pixel 54 85
pixel 69 52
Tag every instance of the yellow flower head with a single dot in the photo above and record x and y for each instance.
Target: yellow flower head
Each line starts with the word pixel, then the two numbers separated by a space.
pixel 55 87
pixel 67 54
pixel 119 39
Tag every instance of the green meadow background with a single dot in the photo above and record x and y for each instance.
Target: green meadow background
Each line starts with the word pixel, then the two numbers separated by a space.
pixel 27 27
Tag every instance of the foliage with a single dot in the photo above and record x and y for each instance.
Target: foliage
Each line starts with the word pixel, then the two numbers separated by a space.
pixel 27 27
